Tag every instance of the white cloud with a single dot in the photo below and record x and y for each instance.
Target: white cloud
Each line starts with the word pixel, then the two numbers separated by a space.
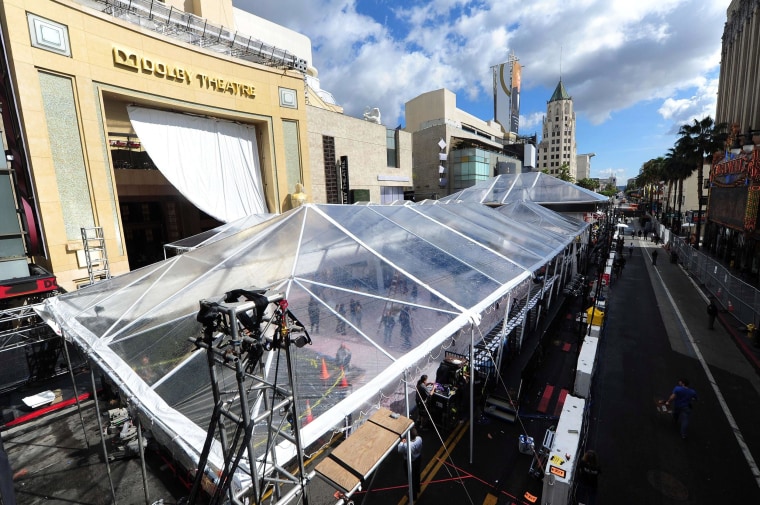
pixel 614 53
pixel 532 122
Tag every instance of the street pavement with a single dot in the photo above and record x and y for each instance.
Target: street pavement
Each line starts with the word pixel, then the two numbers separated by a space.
pixel 655 333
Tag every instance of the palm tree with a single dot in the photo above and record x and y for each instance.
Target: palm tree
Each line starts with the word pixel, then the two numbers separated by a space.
pixel 699 141
pixel 669 179
pixel 677 168
pixel 650 176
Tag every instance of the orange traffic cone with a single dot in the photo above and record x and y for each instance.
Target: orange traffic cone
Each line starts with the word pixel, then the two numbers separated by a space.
pixel 309 417
pixel 325 374
pixel 730 306
pixel 344 381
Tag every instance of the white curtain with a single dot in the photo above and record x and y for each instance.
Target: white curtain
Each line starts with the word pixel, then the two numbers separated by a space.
pixel 213 163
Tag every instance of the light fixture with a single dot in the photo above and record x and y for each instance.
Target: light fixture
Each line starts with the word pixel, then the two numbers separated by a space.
pixel 9 155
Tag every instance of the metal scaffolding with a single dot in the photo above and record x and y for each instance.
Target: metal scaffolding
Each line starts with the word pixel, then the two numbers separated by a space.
pixel 175 23
pixel 237 332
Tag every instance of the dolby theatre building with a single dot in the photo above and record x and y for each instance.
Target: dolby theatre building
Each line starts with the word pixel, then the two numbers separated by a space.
pixel 147 121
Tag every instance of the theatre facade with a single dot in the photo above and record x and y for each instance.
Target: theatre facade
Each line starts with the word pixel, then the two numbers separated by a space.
pixel 110 124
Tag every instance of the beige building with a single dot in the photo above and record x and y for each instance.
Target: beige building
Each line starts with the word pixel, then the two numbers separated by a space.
pixel 452 148
pixel 154 124
pixel 738 100
pixel 558 145
pixel 355 160
pixel 583 166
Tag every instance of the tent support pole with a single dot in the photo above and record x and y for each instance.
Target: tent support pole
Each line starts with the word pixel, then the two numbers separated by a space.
pixel 408 442
pixel 472 389
pixel 100 430
pixel 502 337
pixel 142 459
pixel 76 393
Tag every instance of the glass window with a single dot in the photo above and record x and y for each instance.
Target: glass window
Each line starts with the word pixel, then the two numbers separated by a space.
pixel 391 141
pixel 390 194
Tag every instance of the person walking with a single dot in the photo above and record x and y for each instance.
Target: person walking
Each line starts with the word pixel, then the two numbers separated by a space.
pixel 415 445
pixel 630 250
pixel 682 398
pixel 388 322
pixel 654 257
pixel 340 327
pixel 405 320
pixel 712 312
pixel 588 475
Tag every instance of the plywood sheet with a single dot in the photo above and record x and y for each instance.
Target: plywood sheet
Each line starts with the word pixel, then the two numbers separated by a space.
pixel 362 451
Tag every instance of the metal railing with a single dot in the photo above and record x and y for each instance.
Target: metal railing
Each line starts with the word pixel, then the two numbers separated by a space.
pixel 739 298
pixel 167 20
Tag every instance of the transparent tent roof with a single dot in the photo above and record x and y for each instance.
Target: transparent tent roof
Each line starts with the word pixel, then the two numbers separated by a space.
pixel 536 187
pixel 341 269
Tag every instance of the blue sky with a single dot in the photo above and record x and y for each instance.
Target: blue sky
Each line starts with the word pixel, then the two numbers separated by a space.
pixel 636 70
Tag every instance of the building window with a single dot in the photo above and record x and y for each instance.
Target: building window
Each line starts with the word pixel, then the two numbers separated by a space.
pixel 390 194
pixel 391 142
pixel 49 35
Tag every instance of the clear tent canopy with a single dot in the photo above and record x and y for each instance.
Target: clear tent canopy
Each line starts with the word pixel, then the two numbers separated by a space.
pixel 536 187
pixel 445 267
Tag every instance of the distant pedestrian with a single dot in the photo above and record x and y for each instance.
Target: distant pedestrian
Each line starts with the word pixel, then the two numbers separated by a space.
pixel 421 398
pixel 712 312
pixel 654 257
pixel 415 444
pixel 630 250
pixel 343 356
pixel 405 320
pixel 588 476
pixel 313 314
pixel 388 322
pixel 340 327
pixel 682 398
pixel 640 232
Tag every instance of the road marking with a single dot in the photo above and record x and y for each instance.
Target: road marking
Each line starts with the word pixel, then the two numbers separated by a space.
pixel 436 461
pixel 731 421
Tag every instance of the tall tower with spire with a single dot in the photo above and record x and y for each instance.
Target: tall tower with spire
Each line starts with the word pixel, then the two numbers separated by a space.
pixel 557 146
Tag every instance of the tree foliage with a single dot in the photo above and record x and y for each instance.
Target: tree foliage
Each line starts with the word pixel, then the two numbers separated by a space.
pixel 588 183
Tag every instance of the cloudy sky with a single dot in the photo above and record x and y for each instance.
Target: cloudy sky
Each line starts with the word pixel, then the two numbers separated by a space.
pixel 636 69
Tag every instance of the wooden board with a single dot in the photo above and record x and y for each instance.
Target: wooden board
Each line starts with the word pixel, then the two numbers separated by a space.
pixel 361 452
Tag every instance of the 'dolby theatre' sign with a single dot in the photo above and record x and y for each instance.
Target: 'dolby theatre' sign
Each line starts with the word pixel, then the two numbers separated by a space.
pixel 128 59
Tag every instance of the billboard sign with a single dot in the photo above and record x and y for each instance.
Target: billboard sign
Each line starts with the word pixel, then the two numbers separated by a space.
pixel 514 123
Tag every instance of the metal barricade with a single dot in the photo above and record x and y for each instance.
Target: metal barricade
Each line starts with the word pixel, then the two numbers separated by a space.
pixel 741 299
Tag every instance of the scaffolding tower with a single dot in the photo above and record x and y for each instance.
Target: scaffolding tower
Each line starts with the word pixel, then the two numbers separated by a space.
pixel 237 332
